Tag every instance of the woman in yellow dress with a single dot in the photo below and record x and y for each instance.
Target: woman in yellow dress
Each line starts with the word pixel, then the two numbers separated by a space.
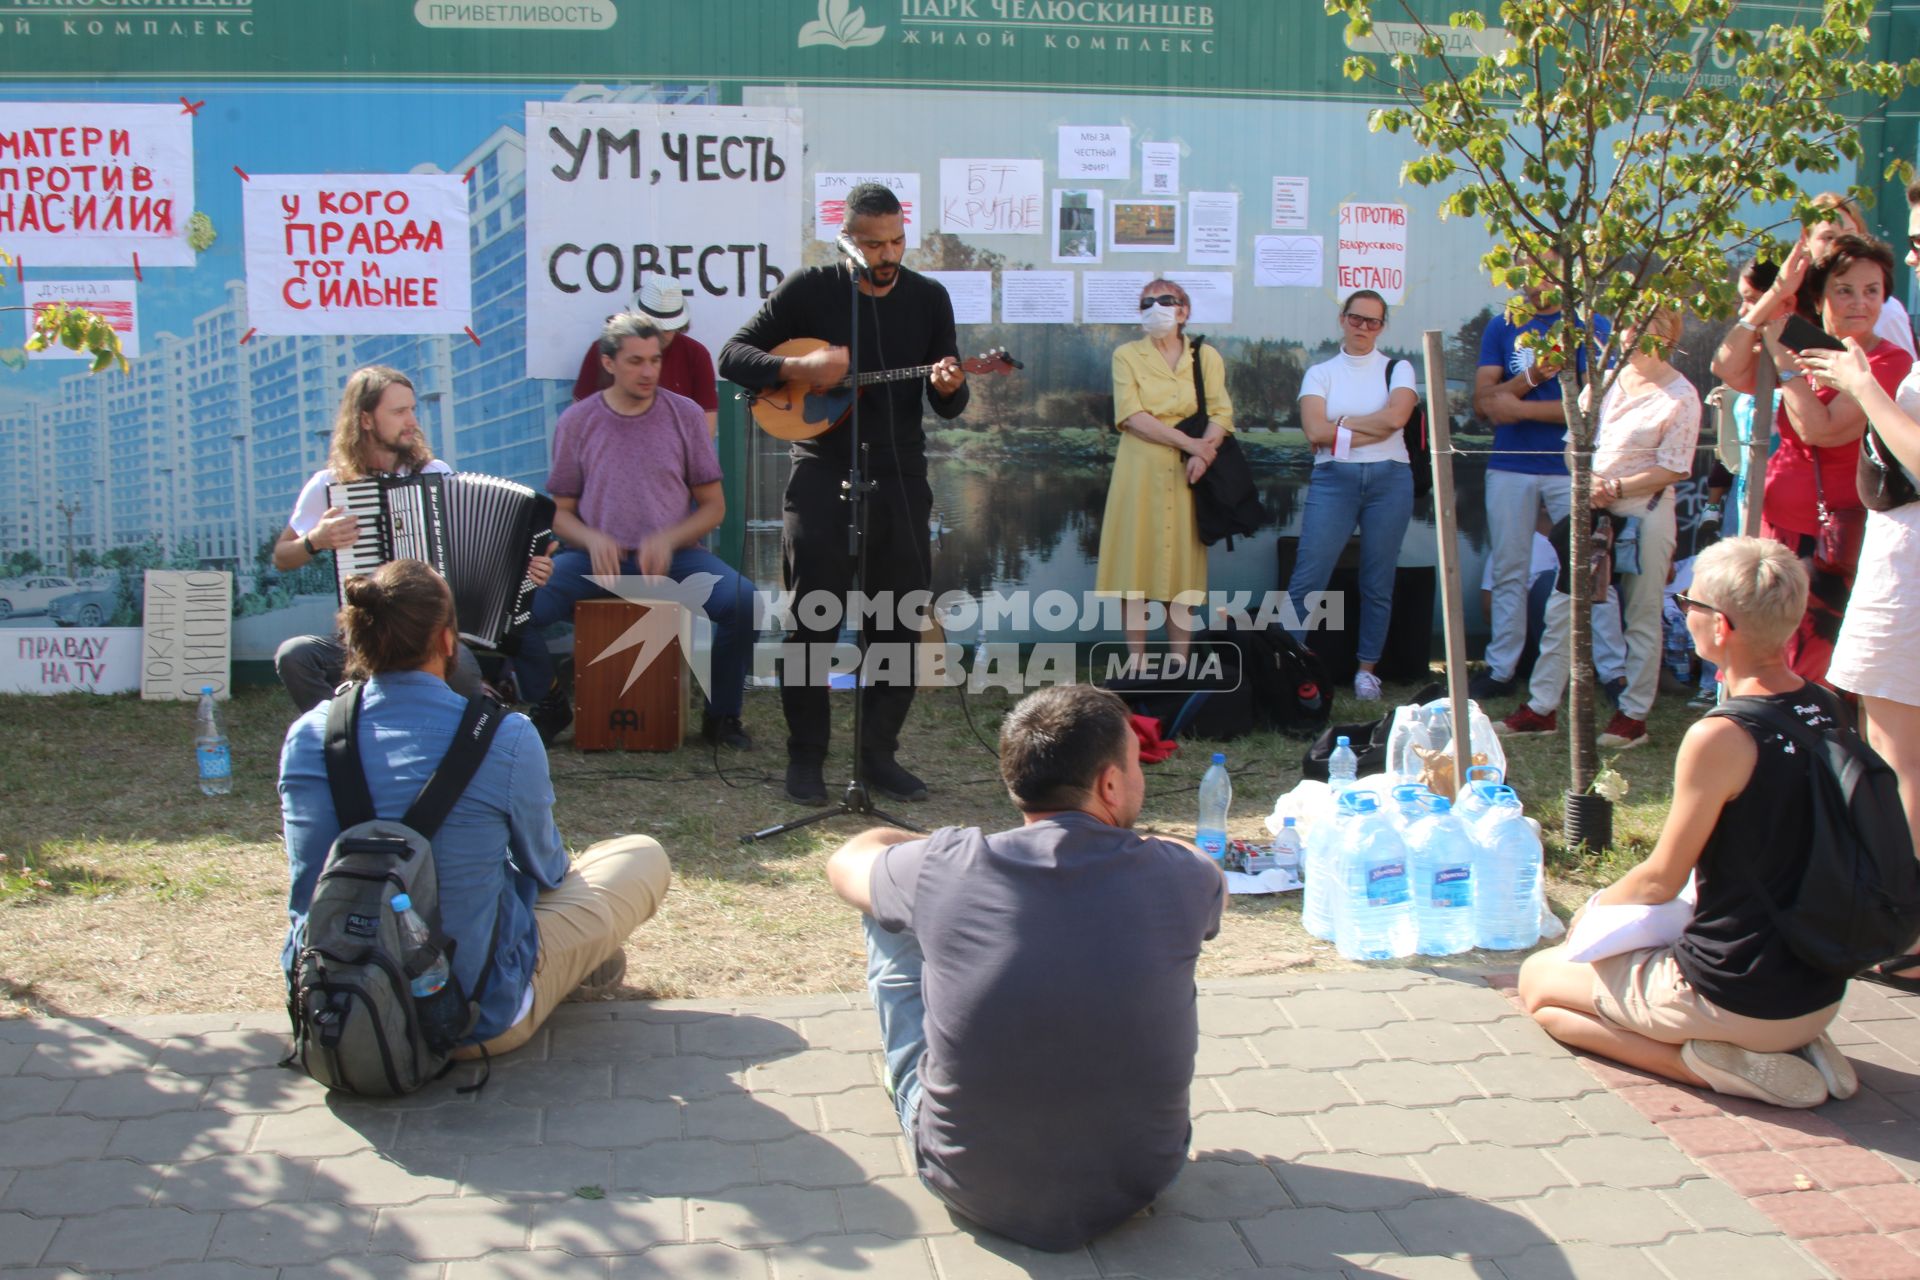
pixel 1150 549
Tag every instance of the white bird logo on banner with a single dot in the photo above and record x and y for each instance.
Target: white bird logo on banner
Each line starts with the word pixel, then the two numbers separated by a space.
pixel 840 26
pixel 655 630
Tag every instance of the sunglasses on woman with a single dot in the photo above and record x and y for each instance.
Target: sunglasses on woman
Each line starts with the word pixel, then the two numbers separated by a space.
pixel 1160 300
pixel 1689 604
pixel 1368 323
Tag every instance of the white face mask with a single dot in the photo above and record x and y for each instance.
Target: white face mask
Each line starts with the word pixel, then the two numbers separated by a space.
pixel 1159 321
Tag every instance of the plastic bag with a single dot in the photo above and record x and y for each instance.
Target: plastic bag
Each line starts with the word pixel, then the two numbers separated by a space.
pixel 1430 727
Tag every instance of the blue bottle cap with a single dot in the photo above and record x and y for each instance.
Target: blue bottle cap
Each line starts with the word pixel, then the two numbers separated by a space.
pixel 1219 757
pixel 1285 823
pixel 1438 804
pixel 401 902
pixel 206 688
pixel 1359 802
pixel 1341 742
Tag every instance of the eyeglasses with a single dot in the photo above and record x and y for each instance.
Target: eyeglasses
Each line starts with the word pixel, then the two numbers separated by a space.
pixel 1160 300
pixel 1367 323
pixel 1688 603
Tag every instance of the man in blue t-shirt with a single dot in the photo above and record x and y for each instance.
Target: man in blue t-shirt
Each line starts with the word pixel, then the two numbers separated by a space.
pixel 1520 396
pixel 1035 986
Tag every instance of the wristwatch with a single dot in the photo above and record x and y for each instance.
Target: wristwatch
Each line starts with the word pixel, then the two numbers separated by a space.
pixel 306 540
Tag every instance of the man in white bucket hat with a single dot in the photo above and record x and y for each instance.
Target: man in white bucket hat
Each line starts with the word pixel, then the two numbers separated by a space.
pixel 685 365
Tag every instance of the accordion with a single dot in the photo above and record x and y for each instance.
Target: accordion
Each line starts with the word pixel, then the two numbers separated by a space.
pixel 478 532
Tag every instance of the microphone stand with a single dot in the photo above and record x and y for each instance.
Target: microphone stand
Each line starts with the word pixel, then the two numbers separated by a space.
pixel 856 491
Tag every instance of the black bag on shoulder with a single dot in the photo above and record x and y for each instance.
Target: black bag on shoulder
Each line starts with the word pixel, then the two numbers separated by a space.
pixel 1225 502
pixel 1881 480
pixel 357 1026
pixel 1858 901
pixel 1419 445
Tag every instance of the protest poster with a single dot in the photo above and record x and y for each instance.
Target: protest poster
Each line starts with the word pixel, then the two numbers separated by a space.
pixel 991 197
pixel 709 196
pixel 112 300
pixel 1373 249
pixel 357 253
pixel 830 201
pixel 91 184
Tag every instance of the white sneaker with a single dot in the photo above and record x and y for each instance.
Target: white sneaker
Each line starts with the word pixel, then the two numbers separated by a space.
pixel 1784 1079
pixel 1825 1055
pixel 1366 686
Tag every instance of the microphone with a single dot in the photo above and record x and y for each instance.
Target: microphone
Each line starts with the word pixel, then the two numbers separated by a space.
pixel 855 261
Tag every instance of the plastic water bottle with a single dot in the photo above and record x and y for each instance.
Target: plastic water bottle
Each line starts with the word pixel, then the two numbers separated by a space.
pixel 1343 767
pixel 1216 797
pixel 1506 876
pixel 1440 850
pixel 1319 901
pixel 1375 897
pixel 418 951
pixel 1474 797
pixel 1409 803
pixel 1287 849
pixel 210 748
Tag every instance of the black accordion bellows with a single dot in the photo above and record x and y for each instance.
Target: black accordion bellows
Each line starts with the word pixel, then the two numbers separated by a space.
pixel 478 532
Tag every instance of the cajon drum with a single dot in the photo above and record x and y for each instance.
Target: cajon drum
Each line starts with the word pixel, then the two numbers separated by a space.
pixel 648 715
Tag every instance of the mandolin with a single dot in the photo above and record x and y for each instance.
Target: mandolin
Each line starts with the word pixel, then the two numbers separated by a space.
pixel 799 411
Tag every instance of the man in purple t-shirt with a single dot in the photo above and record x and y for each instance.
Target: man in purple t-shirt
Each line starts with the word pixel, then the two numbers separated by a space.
pixel 636 486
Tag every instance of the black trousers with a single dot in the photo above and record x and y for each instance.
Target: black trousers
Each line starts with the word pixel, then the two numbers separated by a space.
pixel 814 548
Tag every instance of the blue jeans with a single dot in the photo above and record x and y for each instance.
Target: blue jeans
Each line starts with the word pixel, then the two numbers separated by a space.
pixel 1377 496
pixel 730 607
pixel 894 964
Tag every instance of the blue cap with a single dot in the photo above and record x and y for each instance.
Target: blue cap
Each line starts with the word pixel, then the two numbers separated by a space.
pixel 401 902
pixel 206 688
pixel 1359 802
pixel 1219 757
pixel 1286 822
pixel 1342 742
pixel 1436 803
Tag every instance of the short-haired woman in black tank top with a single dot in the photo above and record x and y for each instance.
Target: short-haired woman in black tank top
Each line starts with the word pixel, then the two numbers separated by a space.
pixel 1726 1006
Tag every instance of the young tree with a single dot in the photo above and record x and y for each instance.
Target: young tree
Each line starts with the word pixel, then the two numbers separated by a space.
pixel 1616 150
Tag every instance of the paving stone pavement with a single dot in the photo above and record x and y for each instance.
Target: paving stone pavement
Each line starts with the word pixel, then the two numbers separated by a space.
pixel 1391 1123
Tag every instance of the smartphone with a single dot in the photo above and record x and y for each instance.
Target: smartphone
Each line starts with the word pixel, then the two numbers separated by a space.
pixel 1802 335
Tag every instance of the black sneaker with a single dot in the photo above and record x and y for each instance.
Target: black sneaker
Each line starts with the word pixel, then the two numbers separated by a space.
pixel 1484 687
pixel 1615 688
pixel 551 715
pixel 726 731
pixel 885 775
pixel 806 784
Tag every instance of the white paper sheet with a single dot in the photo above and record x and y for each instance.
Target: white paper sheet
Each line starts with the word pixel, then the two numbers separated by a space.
pixel 1288 262
pixel 1036 297
pixel 1213 228
pixel 1160 168
pixel 1079 225
pixel 115 301
pixel 992 197
pixel 1289 204
pixel 830 198
pixel 972 294
pixel 1373 249
pixel 1112 297
pixel 1095 151
pixel 1211 293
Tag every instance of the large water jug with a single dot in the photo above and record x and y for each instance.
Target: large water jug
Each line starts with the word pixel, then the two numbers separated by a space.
pixel 1409 803
pixel 1375 920
pixel 1506 876
pixel 1474 797
pixel 1318 909
pixel 1440 853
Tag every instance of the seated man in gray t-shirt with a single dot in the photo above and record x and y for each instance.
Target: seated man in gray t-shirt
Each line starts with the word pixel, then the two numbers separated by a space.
pixel 1035 986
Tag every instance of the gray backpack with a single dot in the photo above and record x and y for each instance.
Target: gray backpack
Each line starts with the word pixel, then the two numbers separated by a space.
pixel 357 1026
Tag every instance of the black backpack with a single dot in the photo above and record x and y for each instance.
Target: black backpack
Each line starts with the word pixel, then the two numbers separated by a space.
pixel 1225 502
pixel 1289 684
pixel 357 1026
pixel 1858 900
pixel 1419 445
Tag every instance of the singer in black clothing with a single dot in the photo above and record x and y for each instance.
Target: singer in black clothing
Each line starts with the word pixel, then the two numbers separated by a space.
pixel 905 320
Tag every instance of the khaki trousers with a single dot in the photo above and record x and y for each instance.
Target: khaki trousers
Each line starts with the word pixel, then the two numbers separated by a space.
pixel 612 889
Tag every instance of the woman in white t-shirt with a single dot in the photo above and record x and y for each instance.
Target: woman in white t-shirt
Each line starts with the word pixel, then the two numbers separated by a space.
pixel 1354 408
